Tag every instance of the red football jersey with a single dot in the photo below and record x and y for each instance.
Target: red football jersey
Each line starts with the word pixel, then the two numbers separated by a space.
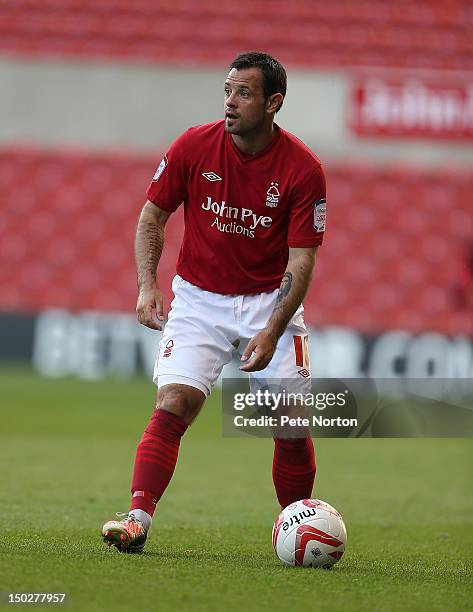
pixel 242 212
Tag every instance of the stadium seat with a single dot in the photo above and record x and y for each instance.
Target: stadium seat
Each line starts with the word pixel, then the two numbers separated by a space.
pixel 427 34
pixel 391 257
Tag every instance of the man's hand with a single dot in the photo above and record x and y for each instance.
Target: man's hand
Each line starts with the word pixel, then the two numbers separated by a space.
pixel 262 346
pixel 149 308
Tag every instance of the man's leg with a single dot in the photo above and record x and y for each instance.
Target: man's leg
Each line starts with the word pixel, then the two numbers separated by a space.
pixel 156 455
pixel 294 464
pixel 196 343
pixel 177 406
pixel 293 469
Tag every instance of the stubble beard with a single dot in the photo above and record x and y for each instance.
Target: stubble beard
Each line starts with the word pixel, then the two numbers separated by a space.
pixel 232 129
pixel 244 131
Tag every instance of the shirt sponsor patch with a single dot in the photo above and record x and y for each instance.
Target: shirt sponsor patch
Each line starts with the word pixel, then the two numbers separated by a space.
pixel 160 170
pixel 320 209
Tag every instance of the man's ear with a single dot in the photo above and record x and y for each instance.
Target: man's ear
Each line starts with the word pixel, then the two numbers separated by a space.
pixel 274 102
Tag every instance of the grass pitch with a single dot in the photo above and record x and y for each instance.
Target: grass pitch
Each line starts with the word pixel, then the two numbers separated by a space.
pixel 67 449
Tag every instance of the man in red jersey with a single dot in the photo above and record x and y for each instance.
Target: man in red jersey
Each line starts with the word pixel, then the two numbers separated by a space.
pixel 254 206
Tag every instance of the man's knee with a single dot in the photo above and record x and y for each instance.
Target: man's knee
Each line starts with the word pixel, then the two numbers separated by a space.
pixel 182 400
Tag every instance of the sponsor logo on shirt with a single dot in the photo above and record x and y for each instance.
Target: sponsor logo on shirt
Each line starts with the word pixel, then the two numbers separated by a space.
pixel 233 220
pixel 272 195
pixel 320 208
pixel 211 176
pixel 160 170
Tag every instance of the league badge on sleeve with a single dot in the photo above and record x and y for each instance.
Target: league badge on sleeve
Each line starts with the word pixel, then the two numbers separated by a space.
pixel 160 170
pixel 320 213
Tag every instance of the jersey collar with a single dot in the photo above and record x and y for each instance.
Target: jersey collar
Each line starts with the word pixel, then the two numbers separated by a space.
pixel 245 157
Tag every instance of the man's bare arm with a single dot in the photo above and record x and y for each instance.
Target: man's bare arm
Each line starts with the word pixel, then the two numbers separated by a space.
pixel 149 242
pixel 294 286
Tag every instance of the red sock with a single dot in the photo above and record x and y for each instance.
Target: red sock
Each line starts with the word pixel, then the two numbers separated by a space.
pixel 293 469
pixel 156 458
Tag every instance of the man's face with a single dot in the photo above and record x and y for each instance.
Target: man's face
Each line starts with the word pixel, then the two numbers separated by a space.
pixel 245 104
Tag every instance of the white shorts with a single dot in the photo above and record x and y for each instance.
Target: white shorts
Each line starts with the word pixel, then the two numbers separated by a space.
pixel 204 329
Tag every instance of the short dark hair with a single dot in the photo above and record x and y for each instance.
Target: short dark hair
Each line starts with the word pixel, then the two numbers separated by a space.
pixel 274 75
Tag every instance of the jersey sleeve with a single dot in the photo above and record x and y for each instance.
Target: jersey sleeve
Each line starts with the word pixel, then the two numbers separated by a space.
pixel 308 211
pixel 168 188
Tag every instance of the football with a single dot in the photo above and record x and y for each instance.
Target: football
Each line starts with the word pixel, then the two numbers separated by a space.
pixel 309 533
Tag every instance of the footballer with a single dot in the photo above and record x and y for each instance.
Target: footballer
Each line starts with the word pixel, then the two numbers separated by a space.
pixel 254 207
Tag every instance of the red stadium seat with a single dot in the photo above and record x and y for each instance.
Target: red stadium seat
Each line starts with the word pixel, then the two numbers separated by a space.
pixel 427 34
pixel 390 259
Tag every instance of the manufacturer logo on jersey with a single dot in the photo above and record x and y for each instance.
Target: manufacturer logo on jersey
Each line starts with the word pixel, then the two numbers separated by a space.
pixel 272 195
pixel 168 349
pixel 320 209
pixel 211 176
pixel 304 373
pixel 160 170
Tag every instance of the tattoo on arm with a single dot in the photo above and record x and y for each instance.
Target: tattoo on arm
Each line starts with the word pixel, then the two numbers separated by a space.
pixel 148 248
pixel 286 285
pixel 293 288
pixel 155 240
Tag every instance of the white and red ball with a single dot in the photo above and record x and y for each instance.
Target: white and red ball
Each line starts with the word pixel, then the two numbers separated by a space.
pixel 309 533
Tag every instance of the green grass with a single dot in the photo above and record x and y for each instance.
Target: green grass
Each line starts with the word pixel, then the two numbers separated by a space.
pixel 66 456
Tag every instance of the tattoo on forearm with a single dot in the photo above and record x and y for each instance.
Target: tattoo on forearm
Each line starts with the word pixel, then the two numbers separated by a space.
pixel 286 285
pixel 154 242
pixel 148 249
